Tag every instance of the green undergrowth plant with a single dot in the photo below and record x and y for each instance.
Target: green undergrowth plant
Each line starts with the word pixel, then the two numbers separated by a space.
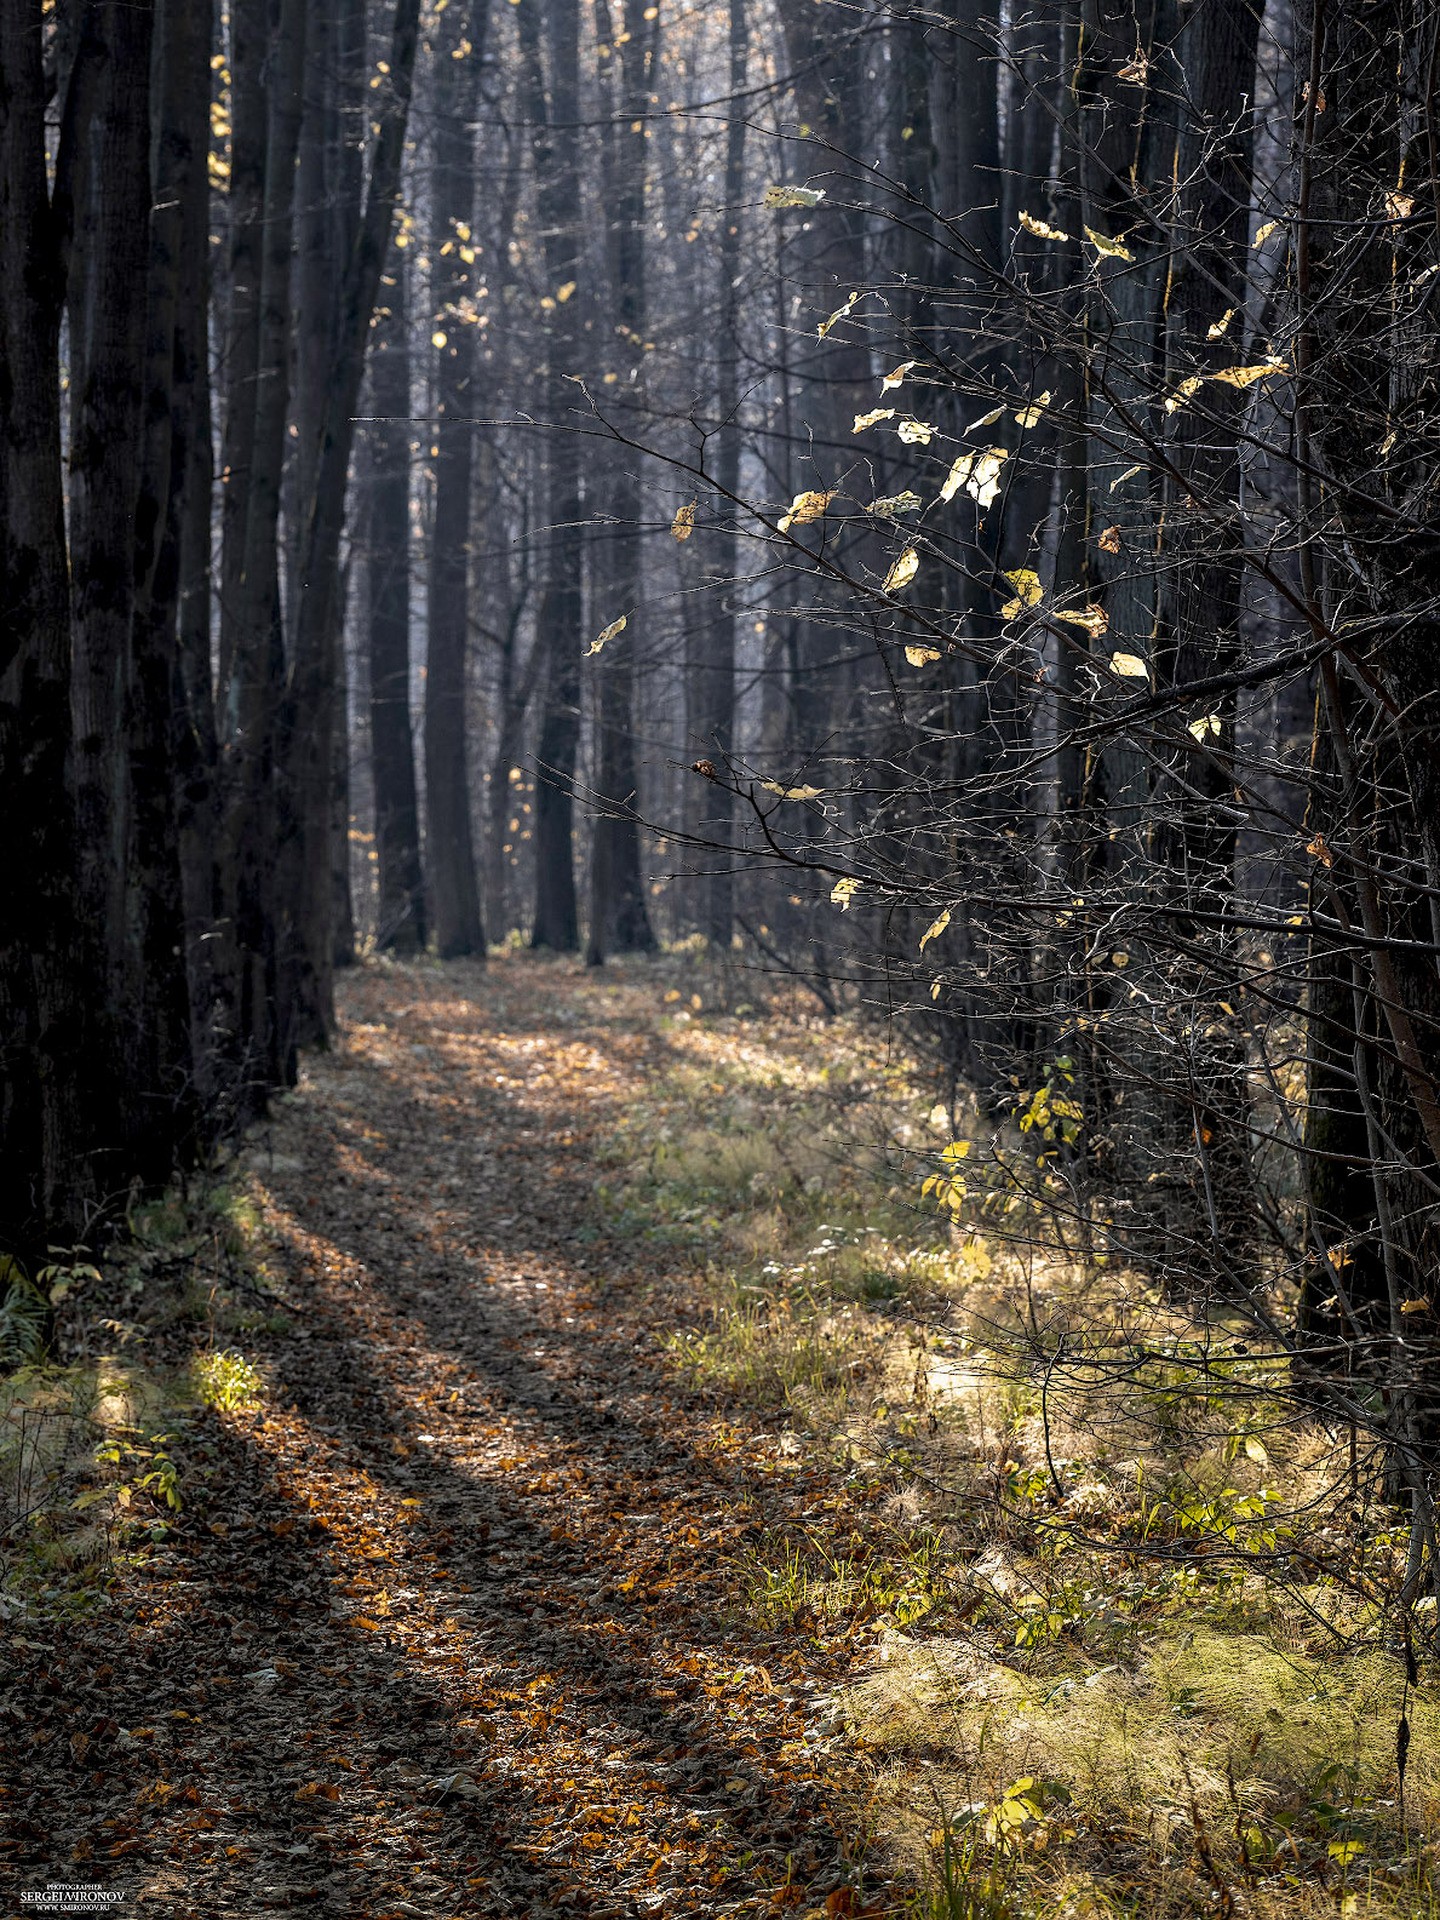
pixel 1140 1604
pixel 226 1381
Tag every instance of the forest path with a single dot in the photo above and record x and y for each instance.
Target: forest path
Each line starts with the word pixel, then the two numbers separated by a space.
pixel 453 1626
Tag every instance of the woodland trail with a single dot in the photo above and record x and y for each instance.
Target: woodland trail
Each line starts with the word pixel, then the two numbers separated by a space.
pixel 451 1624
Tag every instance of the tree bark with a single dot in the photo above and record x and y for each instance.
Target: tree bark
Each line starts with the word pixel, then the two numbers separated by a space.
pixel 401 927
pixel 619 918
pixel 46 1067
pixel 308 752
pixel 554 114
pixel 453 883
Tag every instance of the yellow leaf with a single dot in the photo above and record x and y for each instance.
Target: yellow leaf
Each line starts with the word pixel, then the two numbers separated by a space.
pixel 978 473
pixel 793 196
pixel 1205 728
pixel 1255 1450
pixel 1028 592
pixel 894 379
pixel 1247 376
pixel 804 508
pixel 1119 959
pixel 921 656
pixel 562 294
pixel 935 990
pixel 1030 416
pixel 791 793
pixel 915 433
pixel 863 420
pixel 986 419
pixel 683 525
pixel 839 314
pixel 609 633
pixel 1399 206
pixel 1109 541
pixel 1129 666
pixel 843 892
pixel 1217 330
pixel 1041 229
pixel 1111 249
pixel 1095 620
pixel 1414 1306
pixel 1184 393
pixel 1121 478
pixel 936 927
pixel 903 571
pixel 1262 234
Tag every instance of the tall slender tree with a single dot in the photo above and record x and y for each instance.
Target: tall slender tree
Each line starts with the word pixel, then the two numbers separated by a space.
pixel 457 45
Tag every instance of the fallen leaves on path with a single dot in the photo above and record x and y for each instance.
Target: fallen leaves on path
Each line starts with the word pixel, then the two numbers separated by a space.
pixel 451 1624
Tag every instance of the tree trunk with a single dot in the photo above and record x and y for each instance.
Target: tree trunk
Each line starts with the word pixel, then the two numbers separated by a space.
pixel 619 919
pixel 553 113
pixel 107 306
pixel 313 671
pixel 167 1117
pixel 47 1071
pixel 401 926
pixel 453 884
pixel 714 681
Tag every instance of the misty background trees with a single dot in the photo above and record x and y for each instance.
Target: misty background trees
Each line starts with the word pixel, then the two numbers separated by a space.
pixel 936 503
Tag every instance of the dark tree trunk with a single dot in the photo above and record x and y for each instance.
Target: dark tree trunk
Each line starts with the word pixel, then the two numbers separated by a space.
pixel 554 112
pixel 619 920
pixel 714 671
pixel 107 310
pixel 47 1072
pixel 258 848
pixel 453 883
pixel 308 752
pixel 164 1079
pixel 401 926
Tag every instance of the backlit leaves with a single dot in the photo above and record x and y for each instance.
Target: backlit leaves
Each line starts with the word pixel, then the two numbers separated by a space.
pixel 1129 666
pixel 894 379
pixel 1207 727
pixel 1106 247
pixel 921 656
pixel 863 420
pixel 843 892
pixel 903 571
pixel 840 313
pixel 1041 229
pixel 1030 416
pixel 1095 620
pixel 791 793
pixel 978 474
pixel 683 525
pixel 609 633
pixel 793 196
pixel 936 927
pixel 915 433
pixel 1028 592
pixel 804 508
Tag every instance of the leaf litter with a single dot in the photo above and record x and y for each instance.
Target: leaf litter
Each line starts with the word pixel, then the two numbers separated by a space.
pixel 451 1621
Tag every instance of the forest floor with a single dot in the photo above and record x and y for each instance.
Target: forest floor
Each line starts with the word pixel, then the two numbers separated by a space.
pixel 450 1621
pixel 564 1463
